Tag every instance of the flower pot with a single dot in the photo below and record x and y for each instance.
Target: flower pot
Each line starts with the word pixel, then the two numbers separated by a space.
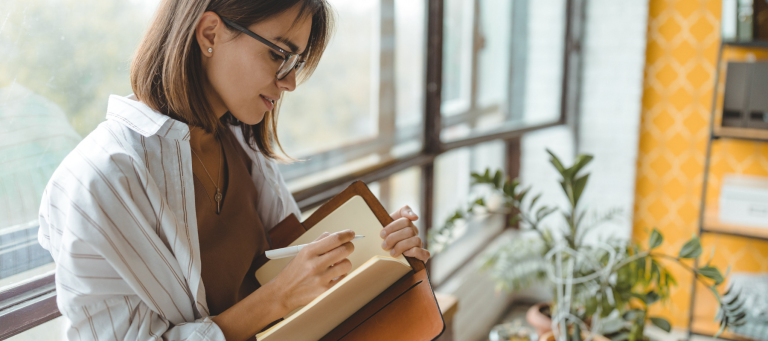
pixel 538 320
pixel 550 336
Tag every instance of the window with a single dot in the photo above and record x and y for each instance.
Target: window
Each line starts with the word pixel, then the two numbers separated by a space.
pixel 378 109
pixel 47 106
pixel 363 105
pixel 502 65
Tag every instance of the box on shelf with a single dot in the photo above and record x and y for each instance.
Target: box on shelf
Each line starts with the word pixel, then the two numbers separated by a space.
pixel 744 200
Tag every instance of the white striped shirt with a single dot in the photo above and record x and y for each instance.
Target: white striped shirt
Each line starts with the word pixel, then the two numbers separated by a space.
pixel 118 216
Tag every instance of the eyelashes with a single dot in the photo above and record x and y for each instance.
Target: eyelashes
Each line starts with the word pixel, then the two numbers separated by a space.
pixel 275 56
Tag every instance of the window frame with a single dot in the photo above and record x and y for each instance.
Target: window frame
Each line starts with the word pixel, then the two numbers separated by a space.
pixel 33 303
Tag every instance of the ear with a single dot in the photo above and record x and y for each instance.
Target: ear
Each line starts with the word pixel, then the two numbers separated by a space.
pixel 208 32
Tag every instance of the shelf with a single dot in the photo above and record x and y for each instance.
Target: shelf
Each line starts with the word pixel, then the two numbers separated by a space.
pixel 713 224
pixel 741 133
pixel 709 328
pixel 755 43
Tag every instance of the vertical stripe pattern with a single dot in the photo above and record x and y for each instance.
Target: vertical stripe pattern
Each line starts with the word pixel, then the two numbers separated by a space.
pixel 119 221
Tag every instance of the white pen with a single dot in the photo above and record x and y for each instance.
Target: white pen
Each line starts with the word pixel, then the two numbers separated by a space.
pixel 293 250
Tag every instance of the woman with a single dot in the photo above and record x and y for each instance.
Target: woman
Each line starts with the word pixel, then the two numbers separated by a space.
pixel 154 220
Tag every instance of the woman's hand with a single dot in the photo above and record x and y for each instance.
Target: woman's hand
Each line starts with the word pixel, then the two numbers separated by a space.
pixel 316 268
pixel 402 237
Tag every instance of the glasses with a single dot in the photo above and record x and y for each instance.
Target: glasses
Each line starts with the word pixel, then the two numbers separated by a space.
pixel 290 60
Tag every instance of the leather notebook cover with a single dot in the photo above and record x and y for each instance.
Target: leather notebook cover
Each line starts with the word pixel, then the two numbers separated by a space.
pixel 406 310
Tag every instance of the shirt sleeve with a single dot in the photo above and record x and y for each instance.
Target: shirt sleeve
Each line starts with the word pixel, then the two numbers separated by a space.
pixel 115 277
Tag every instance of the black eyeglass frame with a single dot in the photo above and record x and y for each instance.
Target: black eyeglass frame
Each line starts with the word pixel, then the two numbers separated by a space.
pixel 287 55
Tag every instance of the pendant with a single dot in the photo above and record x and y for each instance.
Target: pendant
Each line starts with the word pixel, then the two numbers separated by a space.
pixel 218 197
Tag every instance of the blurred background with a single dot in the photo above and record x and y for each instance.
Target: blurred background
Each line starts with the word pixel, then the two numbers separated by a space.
pixel 670 97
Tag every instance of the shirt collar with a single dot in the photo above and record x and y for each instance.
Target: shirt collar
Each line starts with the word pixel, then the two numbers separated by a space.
pixel 144 120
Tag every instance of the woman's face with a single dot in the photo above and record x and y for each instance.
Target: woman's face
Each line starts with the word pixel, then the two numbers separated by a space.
pixel 241 71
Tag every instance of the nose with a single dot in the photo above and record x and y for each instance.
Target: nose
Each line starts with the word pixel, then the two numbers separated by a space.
pixel 288 83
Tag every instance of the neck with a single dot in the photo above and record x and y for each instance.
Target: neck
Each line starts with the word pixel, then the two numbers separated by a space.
pixel 201 141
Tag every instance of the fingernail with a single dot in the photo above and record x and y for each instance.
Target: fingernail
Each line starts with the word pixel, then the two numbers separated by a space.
pixel 410 212
pixel 392 252
pixel 384 245
pixel 383 233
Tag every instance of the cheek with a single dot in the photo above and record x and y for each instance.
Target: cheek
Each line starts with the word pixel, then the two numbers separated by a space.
pixel 238 78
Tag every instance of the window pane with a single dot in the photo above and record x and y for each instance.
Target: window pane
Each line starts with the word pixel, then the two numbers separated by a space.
pixel 518 79
pixel 452 191
pixel 493 59
pixel 364 105
pixel 457 55
pixel 47 105
pixel 410 62
pixel 338 104
pixel 543 72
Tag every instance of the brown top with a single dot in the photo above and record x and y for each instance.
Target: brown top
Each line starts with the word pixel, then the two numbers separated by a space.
pixel 232 240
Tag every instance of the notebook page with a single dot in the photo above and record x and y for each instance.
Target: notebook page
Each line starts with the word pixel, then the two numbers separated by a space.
pixel 340 302
pixel 354 215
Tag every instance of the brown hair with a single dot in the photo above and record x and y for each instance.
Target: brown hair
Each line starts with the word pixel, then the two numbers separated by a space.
pixel 166 72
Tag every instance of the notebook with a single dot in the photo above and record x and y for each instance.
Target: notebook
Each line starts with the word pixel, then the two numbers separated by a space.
pixel 373 271
pixel 381 298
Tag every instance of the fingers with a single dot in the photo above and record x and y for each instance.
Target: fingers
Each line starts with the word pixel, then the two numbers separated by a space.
pixel 339 270
pixel 418 253
pixel 404 245
pixel 404 212
pixel 337 255
pixel 330 242
pixel 325 234
pixel 395 226
pixel 397 233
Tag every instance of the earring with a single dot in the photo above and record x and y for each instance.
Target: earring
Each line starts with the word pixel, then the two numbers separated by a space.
pixel 210 50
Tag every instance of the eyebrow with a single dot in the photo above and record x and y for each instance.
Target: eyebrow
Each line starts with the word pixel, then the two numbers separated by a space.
pixel 290 44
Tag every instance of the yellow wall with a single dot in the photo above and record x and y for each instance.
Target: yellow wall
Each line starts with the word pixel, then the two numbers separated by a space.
pixel 683 42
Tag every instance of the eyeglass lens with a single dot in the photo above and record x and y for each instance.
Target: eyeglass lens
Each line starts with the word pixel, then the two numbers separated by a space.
pixel 288 65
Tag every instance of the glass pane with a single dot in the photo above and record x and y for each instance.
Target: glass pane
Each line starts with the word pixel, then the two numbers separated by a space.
pixel 452 191
pixel 493 59
pixel 543 72
pixel 365 104
pixel 46 105
pixel 410 61
pixel 519 53
pixel 457 55
pixel 338 104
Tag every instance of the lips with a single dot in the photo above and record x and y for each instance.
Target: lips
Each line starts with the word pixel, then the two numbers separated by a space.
pixel 268 101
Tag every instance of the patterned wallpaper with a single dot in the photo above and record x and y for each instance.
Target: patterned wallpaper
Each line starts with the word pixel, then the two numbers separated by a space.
pixel 682 48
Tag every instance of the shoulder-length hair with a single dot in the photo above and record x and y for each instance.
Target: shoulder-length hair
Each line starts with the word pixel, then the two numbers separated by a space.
pixel 167 75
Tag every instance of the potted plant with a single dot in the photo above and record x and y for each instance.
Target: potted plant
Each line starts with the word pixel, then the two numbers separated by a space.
pixel 631 279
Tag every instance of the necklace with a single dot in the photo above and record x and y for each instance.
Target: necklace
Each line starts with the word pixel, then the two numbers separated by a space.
pixel 218 195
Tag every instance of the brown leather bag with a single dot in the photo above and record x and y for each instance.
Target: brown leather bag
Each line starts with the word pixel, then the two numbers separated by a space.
pixel 407 310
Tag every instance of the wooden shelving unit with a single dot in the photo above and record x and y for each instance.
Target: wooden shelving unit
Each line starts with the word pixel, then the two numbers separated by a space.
pixel 709 222
pixel 712 224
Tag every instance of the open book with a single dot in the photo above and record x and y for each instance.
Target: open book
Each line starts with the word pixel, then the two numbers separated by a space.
pixel 373 271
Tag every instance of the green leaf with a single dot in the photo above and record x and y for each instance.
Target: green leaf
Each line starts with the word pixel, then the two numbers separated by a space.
pixel 556 162
pixel 480 202
pixel 656 239
pixel 533 201
pixel 691 249
pixel 651 297
pixel 498 179
pixel 522 194
pixel 578 187
pixel 712 273
pixel 581 161
pixel 661 323
pixel 621 337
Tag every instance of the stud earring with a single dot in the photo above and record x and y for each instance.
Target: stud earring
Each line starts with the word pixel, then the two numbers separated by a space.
pixel 210 50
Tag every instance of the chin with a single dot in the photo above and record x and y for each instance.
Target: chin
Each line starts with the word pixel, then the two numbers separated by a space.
pixel 250 118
